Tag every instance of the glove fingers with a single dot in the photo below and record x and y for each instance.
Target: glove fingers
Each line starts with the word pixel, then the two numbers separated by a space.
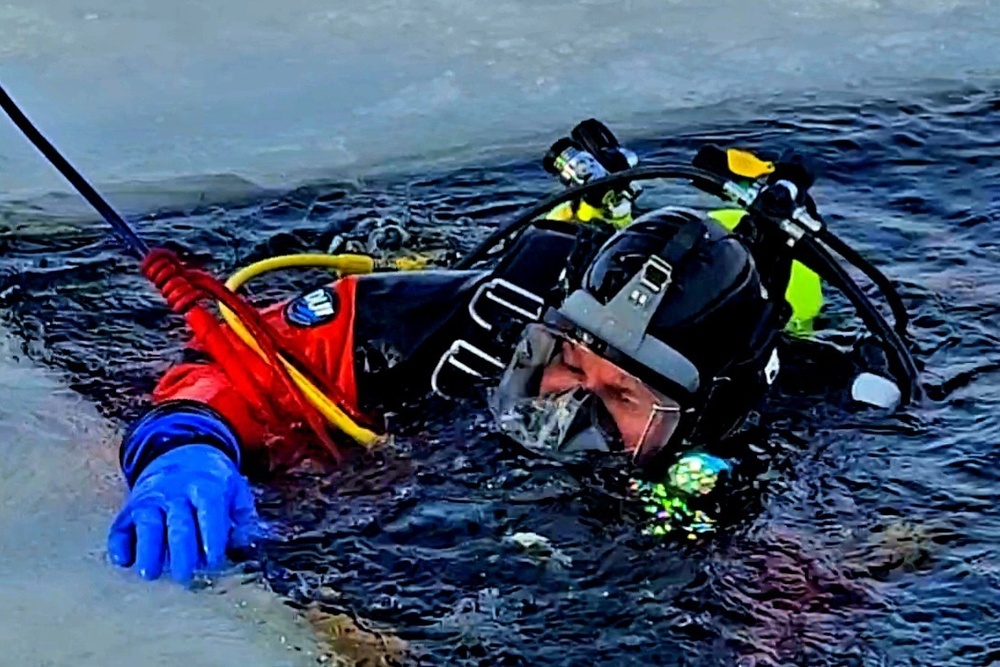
pixel 244 517
pixel 213 525
pixel 182 538
pixel 149 547
pixel 121 540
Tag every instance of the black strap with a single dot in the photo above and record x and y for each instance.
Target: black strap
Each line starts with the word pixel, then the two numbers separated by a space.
pixel 589 240
pixel 682 243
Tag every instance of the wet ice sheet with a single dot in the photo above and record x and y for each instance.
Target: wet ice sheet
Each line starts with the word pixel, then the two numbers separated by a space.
pixel 60 602
pixel 277 91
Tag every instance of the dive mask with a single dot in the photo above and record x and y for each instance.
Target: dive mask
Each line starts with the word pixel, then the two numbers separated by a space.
pixel 559 398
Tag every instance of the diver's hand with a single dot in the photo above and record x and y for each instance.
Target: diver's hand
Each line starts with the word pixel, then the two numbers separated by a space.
pixel 188 505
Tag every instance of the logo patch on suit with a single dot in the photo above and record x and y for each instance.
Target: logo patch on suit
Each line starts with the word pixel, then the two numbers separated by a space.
pixel 312 309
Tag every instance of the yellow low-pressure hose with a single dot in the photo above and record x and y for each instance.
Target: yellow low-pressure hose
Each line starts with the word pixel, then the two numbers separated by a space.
pixel 344 265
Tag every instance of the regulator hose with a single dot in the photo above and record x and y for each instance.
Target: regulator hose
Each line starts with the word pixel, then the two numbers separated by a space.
pixel 810 252
pixel 345 264
pixel 704 179
pixel 900 316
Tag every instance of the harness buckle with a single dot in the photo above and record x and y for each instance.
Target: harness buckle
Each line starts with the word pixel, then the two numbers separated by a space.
pixel 656 274
pixel 467 359
pixel 508 296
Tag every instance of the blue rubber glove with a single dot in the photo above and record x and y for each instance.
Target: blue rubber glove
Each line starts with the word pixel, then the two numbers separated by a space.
pixel 188 505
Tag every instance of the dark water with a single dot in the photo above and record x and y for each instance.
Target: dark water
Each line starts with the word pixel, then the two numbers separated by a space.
pixel 870 542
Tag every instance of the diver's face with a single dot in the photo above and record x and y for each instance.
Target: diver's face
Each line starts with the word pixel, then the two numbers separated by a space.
pixel 642 416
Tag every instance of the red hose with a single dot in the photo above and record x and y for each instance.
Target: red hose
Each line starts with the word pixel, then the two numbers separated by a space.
pixel 183 288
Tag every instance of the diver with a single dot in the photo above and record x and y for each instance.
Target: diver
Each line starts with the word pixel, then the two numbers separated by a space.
pixel 589 333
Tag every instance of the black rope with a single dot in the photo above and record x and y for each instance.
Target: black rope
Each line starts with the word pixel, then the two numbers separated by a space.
pixel 134 243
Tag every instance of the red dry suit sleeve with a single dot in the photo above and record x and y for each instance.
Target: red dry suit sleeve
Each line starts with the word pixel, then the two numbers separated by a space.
pixel 273 422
